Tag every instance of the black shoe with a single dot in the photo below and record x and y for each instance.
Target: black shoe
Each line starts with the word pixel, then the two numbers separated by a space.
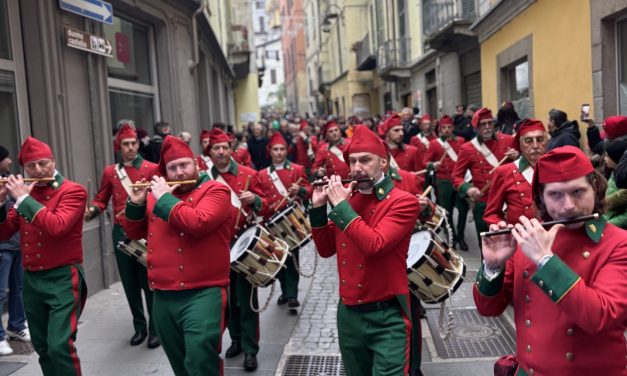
pixel 282 300
pixel 153 341
pixel 422 313
pixel 293 303
pixel 234 350
pixel 416 373
pixel 138 338
pixel 462 245
pixel 250 362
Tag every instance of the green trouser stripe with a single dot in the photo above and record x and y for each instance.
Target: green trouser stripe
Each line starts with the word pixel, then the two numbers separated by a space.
pixel 462 214
pixel 480 225
pixel 416 334
pixel 289 277
pixel 190 324
pixel 134 279
pixel 243 321
pixel 374 343
pixel 53 301
pixel 446 199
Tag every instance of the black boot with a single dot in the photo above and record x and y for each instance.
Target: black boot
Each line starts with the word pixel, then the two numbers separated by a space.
pixel 250 362
pixel 138 338
pixel 153 341
pixel 462 244
pixel 234 350
pixel 282 300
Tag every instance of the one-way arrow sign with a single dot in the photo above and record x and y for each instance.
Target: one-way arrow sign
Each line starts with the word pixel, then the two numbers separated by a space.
pixel 97 10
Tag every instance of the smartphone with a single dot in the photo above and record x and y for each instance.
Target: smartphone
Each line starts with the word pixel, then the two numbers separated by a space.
pixel 585 112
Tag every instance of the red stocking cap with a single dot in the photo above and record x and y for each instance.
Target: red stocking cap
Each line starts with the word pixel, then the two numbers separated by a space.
pixel 445 119
pixel 388 124
pixel 481 114
pixel 364 140
pixel 561 164
pixel 173 148
pixel 34 150
pixel 205 134
pixel 615 126
pixel 328 126
pixel 277 139
pixel 527 125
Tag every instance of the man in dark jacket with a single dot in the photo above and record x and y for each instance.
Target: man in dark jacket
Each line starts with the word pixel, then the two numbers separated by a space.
pixel 162 129
pixel 257 147
pixel 462 120
pixel 563 132
pixel 620 173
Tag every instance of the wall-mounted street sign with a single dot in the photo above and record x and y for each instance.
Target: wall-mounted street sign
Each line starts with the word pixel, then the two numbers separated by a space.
pixel 87 42
pixel 97 10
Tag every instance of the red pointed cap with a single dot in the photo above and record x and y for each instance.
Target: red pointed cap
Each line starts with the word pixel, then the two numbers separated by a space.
pixel 388 124
pixel 615 126
pixel 173 148
pixel 34 150
pixel 364 140
pixel 303 124
pixel 327 126
pixel 126 131
pixel 526 126
pixel 445 119
pixel 277 139
pixel 205 134
pixel 561 164
pixel 426 118
pixel 218 136
pixel 479 115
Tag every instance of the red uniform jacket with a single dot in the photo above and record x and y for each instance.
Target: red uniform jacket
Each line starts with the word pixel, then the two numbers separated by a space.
pixel 509 187
pixel 111 187
pixel 328 160
pixel 415 141
pixel 187 234
pixel 572 313
pixel 471 159
pixel 435 153
pixel 236 178
pixel 50 222
pixel 302 147
pixel 370 234
pixel 241 155
pixel 290 173
pixel 408 158
pixel 408 182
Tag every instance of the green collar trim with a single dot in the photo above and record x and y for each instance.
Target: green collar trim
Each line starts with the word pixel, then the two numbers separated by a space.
pixel 595 228
pixel 286 165
pixel 394 174
pixel 339 142
pixel 523 164
pixel 202 178
pixel 58 180
pixel 232 169
pixel 382 189
pixel 137 162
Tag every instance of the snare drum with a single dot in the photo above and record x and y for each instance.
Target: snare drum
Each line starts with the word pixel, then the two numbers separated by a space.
pixel 435 223
pixel 292 225
pixel 434 272
pixel 134 248
pixel 258 255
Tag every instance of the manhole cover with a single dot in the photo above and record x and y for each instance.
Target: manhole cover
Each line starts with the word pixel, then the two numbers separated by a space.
pixel 472 335
pixel 21 347
pixel 314 365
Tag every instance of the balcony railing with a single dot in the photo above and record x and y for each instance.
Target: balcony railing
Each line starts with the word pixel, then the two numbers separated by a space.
pixel 394 54
pixel 366 59
pixel 437 14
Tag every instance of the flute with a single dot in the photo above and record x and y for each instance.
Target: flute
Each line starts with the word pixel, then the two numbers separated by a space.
pixel 147 184
pixel 30 180
pixel 344 181
pixel 565 221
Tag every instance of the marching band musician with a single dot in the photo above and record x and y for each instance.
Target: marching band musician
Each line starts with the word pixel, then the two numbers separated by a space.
pixel 305 146
pixel 189 278
pixel 369 231
pixel 240 153
pixel 284 179
pixel 511 182
pixel 425 135
pixel 115 184
pixel 247 198
pixel 442 155
pixel 202 159
pixel 330 154
pixel 48 216
pixel 404 157
pixel 480 156
pixel 567 284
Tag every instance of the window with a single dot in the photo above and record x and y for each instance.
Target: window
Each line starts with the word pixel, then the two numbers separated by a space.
pixel 5 32
pixel 273 76
pixel 621 28
pixel 259 4
pixel 132 84
pixel 517 77
pixel 8 115
pixel 262 25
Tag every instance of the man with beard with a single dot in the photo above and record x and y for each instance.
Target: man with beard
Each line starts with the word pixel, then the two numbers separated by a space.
pixel 442 155
pixel 369 231
pixel 425 135
pixel 247 199
pixel 282 180
pixel 567 284
pixel 49 217
pixel 115 183
pixel 480 156
pixel 511 182
pixel 330 154
pixel 402 156
pixel 188 278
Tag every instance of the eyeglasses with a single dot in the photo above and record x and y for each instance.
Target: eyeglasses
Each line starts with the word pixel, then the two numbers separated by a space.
pixel 531 140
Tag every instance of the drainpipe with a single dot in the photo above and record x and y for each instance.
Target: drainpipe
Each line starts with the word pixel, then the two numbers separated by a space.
pixel 204 5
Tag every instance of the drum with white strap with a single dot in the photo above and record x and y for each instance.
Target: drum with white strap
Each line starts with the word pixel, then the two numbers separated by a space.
pixel 292 225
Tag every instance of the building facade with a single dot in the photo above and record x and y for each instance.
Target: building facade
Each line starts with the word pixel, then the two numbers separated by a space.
pixel 72 99
pixel 269 56
pixel 293 21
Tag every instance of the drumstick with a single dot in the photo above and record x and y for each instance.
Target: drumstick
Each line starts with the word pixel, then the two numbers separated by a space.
pixel 30 180
pixel 426 192
pixel 421 172
pixel 500 163
pixel 239 213
pixel 285 197
pixel 566 221
pixel 147 184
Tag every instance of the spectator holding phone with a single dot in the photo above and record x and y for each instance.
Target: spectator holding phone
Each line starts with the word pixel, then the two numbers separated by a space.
pixel 563 132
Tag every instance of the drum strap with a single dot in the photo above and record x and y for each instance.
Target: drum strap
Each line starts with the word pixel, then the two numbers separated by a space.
pixel 124 179
pixel 527 172
pixel 487 153
pixel 208 162
pixel 337 152
pixel 393 162
pixel 448 149
pixel 276 180
pixel 234 199
pixel 424 140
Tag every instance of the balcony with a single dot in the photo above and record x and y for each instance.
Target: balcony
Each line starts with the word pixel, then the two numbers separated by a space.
pixel 239 51
pixel 446 24
pixel 366 59
pixel 393 59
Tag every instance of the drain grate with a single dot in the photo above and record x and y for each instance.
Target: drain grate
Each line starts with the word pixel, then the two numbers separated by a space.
pixel 314 365
pixel 21 347
pixel 472 335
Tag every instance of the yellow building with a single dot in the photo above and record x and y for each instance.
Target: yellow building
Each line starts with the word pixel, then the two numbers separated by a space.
pixel 537 54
